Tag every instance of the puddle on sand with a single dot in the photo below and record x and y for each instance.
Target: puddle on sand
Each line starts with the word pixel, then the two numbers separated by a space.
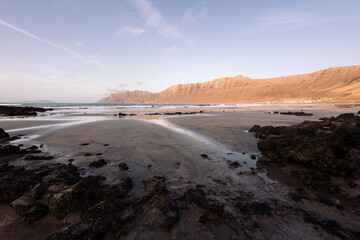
pixel 221 152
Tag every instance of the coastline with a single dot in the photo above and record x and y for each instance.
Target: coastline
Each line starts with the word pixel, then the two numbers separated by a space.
pixel 188 151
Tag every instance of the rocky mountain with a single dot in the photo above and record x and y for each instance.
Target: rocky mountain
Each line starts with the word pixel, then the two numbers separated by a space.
pixel 339 84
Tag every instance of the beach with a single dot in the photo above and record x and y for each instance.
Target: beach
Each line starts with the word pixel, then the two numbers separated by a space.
pixel 209 152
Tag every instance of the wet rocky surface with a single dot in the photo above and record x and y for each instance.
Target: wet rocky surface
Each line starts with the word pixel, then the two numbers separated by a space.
pixel 301 113
pixel 174 113
pixel 330 146
pixel 21 111
pixel 322 160
pixel 88 207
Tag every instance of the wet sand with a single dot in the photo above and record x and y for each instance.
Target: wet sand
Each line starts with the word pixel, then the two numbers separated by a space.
pixel 172 147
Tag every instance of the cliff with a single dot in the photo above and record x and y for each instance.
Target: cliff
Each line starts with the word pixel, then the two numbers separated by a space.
pixel 334 84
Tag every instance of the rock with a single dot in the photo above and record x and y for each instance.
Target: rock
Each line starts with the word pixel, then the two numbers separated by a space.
pixel 261 208
pixel 331 145
pixel 233 165
pixel 155 185
pixel 9 150
pixel 297 113
pixel 198 197
pixel 123 166
pixel 122 114
pixel 3 134
pixel 38 190
pixel 100 216
pixel 85 144
pixel 78 231
pixel 205 156
pixel 352 184
pixel 15 182
pixel 88 154
pixel 80 196
pixel 98 163
pixel 253 157
pixel 4 167
pixel 203 218
pixel 33 147
pixel 62 174
pixel 31 211
pixel 15 111
pixel 326 201
pixel 34 158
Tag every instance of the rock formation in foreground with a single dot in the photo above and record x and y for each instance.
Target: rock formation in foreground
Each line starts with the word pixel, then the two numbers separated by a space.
pixel 340 84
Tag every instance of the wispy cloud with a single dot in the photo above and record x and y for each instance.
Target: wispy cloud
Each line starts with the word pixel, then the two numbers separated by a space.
pixel 134 31
pixel 174 49
pixel 155 20
pixel 287 20
pixel 78 44
pixel 192 15
pixel 60 47
pixel 121 87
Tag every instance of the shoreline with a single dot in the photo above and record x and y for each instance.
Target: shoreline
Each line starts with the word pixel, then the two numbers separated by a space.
pixel 213 150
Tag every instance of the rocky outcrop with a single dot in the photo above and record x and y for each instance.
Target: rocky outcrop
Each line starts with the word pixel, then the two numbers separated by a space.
pixel 21 111
pixel 3 134
pixel 331 145
pixel 333 84
pixel 30 210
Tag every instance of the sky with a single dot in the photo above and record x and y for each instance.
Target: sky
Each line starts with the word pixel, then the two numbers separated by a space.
pixel 84 50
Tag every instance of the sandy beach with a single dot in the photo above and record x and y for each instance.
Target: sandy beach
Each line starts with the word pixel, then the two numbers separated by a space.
pixel 212 151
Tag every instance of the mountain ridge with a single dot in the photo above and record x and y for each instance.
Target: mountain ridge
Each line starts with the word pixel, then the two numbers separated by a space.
pixel 334 84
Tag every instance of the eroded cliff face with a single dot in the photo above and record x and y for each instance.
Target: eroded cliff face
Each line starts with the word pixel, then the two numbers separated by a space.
pixel 339 84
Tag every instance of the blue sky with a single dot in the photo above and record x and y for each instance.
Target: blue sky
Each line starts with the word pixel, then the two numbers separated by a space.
pixel 83 50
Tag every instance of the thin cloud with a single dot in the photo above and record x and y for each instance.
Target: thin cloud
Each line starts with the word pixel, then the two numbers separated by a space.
pixel 139 83
pixel 287 20
pixel 134 31
pixel 60 47
pixel 174 49
pixel 119 89
pixel 191 16
pixel 78 44
pixel 155 20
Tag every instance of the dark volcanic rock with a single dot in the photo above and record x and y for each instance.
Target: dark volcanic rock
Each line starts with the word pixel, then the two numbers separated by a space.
pixel 79 231
pixel 61 174
pixel 15 111
pixel 31 211
pixel 159 210
pixel 233 165
pixel 34 158
pixel 9 150
pixel 262 208
pixel 3 134
pixel 174 113
pixel 98 163
pixel 15 182
pixel 123 166
pixel 297 113
pixel 100 216
pixel 198 197
pixel 4 167
pixel 81 196
pixel 331 145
